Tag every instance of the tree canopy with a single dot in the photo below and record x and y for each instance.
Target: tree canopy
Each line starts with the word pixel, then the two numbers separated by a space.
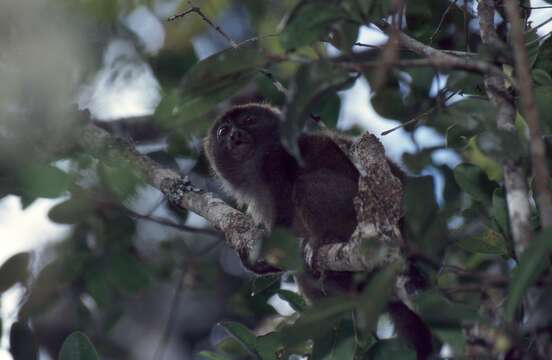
pixel 103 105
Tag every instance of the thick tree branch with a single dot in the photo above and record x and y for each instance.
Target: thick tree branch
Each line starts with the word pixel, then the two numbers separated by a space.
pixel 376 241
pixel 531 113
pixel 517 194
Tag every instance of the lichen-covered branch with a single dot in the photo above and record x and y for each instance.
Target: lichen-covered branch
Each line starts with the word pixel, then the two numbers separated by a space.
pixel 517 194
pixel 376 241
pixel 240 231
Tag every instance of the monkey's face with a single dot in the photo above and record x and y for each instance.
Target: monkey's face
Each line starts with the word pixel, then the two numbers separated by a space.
pixel 241 134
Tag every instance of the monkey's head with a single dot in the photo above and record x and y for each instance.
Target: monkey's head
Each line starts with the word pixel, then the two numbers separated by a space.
pixel 239 138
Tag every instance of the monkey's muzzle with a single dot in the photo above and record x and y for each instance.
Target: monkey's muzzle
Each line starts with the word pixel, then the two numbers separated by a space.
pixel 239 143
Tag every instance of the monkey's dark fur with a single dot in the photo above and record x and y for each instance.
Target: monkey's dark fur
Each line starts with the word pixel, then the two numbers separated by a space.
pixel 314 200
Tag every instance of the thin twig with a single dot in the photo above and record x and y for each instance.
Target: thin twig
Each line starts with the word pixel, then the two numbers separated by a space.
pixel 535 7
pixel 535 28
pixel 172 317
pixel 170 223
pixel 417 117
pixel 443 60
pixel 278 85
pixel 531 113
pixel 367 45
pixel 197 10
pixel 443 16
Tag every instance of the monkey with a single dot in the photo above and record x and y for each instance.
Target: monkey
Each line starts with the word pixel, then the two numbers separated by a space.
pixel 313 198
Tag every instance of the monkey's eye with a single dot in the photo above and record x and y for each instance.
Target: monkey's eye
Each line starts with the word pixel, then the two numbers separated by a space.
pixel 222 131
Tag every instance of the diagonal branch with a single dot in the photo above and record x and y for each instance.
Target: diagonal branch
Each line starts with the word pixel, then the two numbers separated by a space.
pixel 245 237
pixel 441 59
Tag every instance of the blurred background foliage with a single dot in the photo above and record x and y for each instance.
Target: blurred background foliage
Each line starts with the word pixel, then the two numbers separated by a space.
pixel 145 281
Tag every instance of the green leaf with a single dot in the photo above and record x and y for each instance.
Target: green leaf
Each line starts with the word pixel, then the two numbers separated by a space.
pixel 473 181
pixel 344 35
pixel 242 334
pixel 98 286
pixel 269 345
pixel 533 44
pixel 466 83
pixel 533 261
pixel 500 211
pixel 14 270
pixel 458 137
pixel 282 250
pixel 262 283
pixel 23 344
pixel 72 211
pixel 426 228
pixel 374 298
pixel 318 319
pixel 389 102
pixel 338 343
pixel 295 300
pixel 395 349
pixel 543 98
pixel 77 346
pixel 121 177
pixel 210 81
pixel 211 355
pixel 313 81
pixel 470 113
pixel 501 145
pixel 308 23
pixel 544 59
pixel 439 312
pixel 127 273
pixel 542 77
pixel 43 180
pixel 487 242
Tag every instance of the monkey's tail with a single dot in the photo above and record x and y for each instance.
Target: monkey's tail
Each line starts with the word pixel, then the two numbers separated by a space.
pixel 412 328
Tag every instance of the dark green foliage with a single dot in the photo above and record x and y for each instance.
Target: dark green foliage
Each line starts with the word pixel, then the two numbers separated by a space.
pixel 77 346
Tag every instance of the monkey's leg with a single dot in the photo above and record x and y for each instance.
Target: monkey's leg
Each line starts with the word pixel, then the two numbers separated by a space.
pixel 323 203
